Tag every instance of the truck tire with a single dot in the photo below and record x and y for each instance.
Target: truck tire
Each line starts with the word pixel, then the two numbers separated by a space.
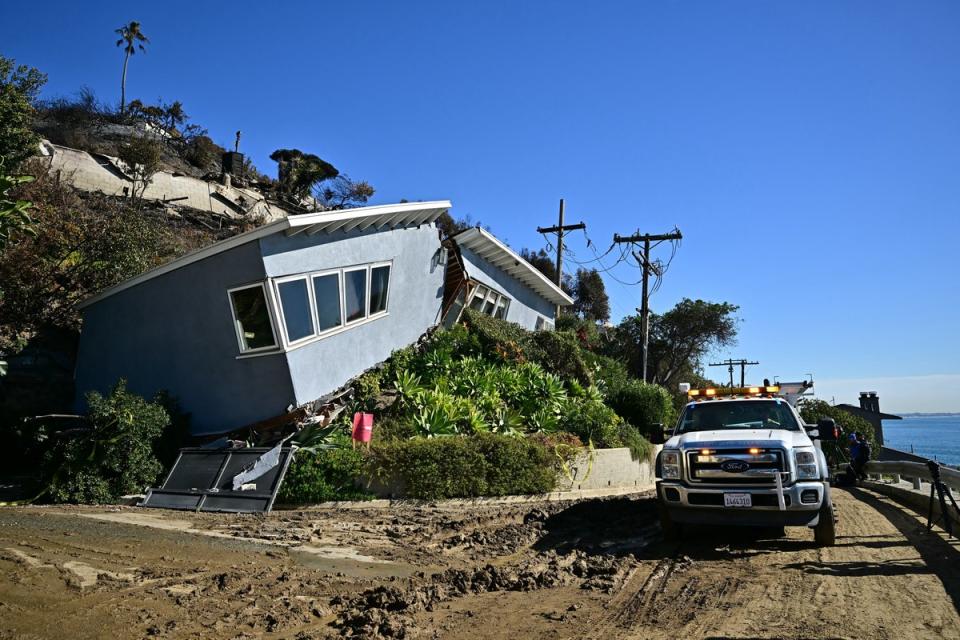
pixel 825 533
pixel 671 530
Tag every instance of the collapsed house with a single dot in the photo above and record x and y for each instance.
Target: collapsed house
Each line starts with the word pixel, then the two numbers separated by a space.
pixel 275 318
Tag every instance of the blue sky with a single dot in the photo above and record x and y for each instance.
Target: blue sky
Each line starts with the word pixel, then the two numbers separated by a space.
pixel 808 151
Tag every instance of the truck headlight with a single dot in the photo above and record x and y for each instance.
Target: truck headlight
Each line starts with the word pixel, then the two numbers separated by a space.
pixel 670 464
pixel 806 464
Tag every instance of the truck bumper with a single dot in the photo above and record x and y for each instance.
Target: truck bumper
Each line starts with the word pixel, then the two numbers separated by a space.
pixel 702 505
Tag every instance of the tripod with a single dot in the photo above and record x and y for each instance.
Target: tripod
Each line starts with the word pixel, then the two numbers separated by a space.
pixel 943 492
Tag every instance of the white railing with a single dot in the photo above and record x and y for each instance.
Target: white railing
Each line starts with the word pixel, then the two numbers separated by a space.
pixel 916 471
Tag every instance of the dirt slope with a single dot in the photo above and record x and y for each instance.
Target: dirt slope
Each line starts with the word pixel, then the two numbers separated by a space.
pixel 591 569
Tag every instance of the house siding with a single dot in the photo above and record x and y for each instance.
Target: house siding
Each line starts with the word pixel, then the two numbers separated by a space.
pixel 525 306
pixel 414 299
pixel 175 332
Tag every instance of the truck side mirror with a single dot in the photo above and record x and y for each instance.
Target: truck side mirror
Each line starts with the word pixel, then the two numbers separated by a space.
pixel 657 434
pixel 828 430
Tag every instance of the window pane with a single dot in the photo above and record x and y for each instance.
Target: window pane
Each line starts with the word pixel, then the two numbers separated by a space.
pixel 326 291
pixel 295 303
pixel 502 308
pixel 479 295
pixel 379 283
pixel 355 292
pixel 490 305
pixel 253 318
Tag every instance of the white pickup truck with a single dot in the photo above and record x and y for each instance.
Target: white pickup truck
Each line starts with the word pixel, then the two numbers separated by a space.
pixel 745 457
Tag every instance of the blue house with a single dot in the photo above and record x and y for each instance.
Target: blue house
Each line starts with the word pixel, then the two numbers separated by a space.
pixel 272 319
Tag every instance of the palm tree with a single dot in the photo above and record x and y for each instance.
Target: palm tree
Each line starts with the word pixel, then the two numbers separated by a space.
pixel 133 38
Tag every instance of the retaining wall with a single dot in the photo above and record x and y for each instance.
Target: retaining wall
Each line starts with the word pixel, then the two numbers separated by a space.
pixel 600 471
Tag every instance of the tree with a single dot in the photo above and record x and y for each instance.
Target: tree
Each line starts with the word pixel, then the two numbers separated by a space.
pixel 14 216
pixel 142 157
pixel 450 226
pixel 342 193
pixel 19 88
pixel 590 299
pixel 298 172
pixel 679 339
pixel 541 261
pixel 131 39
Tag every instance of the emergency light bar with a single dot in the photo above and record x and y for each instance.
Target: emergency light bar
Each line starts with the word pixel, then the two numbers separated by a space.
pixel 736 391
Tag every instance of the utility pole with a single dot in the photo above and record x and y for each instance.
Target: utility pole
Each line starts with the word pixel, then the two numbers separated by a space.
pixel 559 229
pixel 648 268
pixel 730 364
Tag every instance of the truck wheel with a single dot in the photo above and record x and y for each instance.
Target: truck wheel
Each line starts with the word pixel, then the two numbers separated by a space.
pixel 825 533
pixel 671 530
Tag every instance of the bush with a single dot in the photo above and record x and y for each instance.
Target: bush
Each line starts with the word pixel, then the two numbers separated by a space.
pixel 114 457
pixel 592 421
pixel 501 340
pixel 640 447
pixel 328 474
pixel 642 405
pixel 461 467
pixel 561 354
pixel 812 411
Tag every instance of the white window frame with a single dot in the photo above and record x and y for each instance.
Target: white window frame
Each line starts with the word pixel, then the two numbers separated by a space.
pixel 365 303
pixel 278 324
pixel 370 269
pixel 492 296
pixel 283 320
pixel 313 310
pixel 268 298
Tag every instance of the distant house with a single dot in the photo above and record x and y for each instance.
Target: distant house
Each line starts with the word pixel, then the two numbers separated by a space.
pixel 869 410
pixel 275 318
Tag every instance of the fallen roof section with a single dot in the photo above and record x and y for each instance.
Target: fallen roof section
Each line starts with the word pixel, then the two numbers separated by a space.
pixel 382 216
pixel 488 247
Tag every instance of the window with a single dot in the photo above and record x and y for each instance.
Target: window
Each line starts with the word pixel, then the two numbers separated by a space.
pixel 489 302
pixel 379 285
pixel 295 309
pixel 355 294
pixel 251 317
pixel 326 294
pixel 543 324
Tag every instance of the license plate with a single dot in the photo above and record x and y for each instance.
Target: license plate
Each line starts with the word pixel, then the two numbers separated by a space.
pixel 737 500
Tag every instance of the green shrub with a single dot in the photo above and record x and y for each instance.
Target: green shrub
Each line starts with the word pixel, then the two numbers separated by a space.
pixel 458 467
pixel 812 411
pixel 328 474
pixel 115 457
pixel 501 340
pixel 561 354
pixel 640 447
pixel 592 421
pixel 366 389
pixel 642 405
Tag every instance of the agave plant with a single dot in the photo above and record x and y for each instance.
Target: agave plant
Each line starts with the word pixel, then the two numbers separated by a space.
pixel 435 421
pixel 315 437
pixel 543 419
pixel 408 387
pixel 508 421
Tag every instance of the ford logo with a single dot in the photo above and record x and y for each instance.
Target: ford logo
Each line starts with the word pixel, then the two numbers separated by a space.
pixel 734 466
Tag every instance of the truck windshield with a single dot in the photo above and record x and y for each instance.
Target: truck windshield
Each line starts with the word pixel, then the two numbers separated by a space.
pixel 745 414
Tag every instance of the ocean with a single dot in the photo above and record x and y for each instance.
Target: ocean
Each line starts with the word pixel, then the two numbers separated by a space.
pixel 935 436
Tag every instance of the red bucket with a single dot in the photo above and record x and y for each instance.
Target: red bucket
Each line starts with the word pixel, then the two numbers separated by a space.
pixel 362 427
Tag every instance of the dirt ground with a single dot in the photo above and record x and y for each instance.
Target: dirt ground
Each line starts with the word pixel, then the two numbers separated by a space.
pixel 584 570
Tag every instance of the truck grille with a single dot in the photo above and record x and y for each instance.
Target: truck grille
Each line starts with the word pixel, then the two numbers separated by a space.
pixel 708 468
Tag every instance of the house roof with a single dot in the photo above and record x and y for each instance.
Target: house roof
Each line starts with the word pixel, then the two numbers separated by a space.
pixel 860 411
pixel 382 216
pixel 487 246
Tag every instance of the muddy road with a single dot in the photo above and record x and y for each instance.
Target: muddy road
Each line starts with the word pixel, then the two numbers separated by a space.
pixel 588 569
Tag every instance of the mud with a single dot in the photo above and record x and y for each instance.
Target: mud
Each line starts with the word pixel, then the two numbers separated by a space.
pixel 587 569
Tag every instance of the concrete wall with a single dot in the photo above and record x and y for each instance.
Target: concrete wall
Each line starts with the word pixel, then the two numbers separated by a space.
pixel 610 468
pixel 604 469
pixel 525 305
pixel 176 332
pixel 413 305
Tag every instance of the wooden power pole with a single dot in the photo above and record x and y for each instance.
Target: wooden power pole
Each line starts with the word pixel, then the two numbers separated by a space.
pixel 648 268
pixel 730 363
pixel 559 229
